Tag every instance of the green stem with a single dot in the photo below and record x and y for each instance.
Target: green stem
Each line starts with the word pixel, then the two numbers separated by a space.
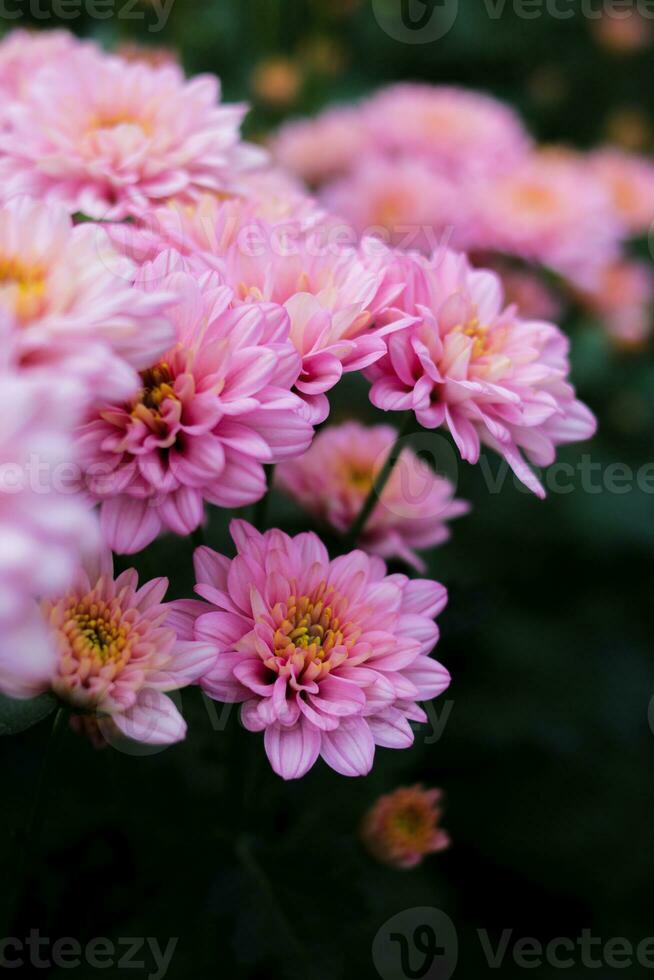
pixel 380 482
pixel 261 508
pixel 32 838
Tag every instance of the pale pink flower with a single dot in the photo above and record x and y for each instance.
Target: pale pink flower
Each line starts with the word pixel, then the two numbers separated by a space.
pixel 297 264
pixel 207 416
pixel 403 827
pixel 629 180
pixel 331 296
pixel 551 210
pixel 474 366
pixel 625 301
pixel 43 528
pixel 402 201
pixel 460 132
pixel 111 138
pixel 118 652
pixel 328 657
pixel 23 53
pixel 71 299
pixel 333 478
pixel 323 148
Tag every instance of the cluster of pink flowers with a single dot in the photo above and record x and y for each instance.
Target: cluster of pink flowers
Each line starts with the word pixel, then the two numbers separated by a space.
pixel 176 318
pixel 425 165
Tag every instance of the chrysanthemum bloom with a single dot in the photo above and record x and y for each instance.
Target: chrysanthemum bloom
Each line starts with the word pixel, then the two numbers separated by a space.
pixel 458 131
pixel 328 657
pixel 111 138
pixel 550 210
pixel 209 226
pixel 23 53
pixel 334 477
pixel 629 180
pixel 70 297
pixel 118 652
pixel 330 295
pixel 403 827
pixel 207 416
pixel 323 148
pixel 475 367
pixel 625 302
pixel 402 201
pixel 43 528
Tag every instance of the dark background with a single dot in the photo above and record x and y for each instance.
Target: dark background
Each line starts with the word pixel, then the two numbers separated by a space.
pixel 547 757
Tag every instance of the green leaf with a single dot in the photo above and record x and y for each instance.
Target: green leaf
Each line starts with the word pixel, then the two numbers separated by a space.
pixel 16 716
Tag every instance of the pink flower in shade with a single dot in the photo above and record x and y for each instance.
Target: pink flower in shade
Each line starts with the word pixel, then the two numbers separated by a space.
pixel 477 368
pixel 334 477
pixel 460 132
pixel 118 652
pixel 629 181
pixel 549 210
pixel 320 149
pixel 403 827
pixel 111 138
pixel 71 299
pixel 327 657
pixel 403 201
pixel 625 302
pixel 207 416
pixel 43 529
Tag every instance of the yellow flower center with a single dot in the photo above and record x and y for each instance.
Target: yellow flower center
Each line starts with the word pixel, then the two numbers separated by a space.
pixel 310 634
pixel 156 386
pixel 25 285
pixel 94 638
pixel 111 120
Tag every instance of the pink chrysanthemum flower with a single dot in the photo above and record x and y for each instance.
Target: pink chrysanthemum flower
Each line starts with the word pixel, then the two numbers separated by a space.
pixel 460 132
pixel 549 210
pixel 111 138
pixel 402 201
pixel 71 299
pixel 320 149
pixel 23 53
pixel 43 527
pixel 625 301
pixel 331 297
pixel 328 657
pixel 118 652
pixel 334 477
pixel 474 366
pixel 629 180
pixel 403 827
pixel 207 416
